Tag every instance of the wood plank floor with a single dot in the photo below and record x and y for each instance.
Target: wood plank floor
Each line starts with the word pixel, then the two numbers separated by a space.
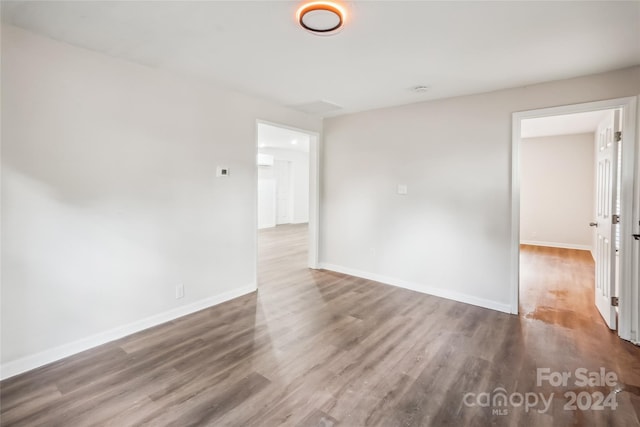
pixel 315 348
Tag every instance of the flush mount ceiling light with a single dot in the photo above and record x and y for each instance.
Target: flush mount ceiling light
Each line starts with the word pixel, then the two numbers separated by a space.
pixel 321 17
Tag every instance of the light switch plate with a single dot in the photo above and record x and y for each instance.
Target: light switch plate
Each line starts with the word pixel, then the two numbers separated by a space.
pixel 402 189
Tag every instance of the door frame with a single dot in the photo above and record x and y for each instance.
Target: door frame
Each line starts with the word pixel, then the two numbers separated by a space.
pixel 628 308
pixel 314 191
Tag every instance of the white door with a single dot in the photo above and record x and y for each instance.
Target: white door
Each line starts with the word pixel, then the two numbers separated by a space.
pixel 282 169
pixel 606 195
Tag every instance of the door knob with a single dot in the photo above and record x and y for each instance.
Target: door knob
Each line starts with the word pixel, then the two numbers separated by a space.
pixel 593 224
pixel 636 236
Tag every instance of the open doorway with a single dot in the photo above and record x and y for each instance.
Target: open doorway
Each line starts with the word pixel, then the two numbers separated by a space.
pixel 287 168
pixel 573 183
pixel 560 200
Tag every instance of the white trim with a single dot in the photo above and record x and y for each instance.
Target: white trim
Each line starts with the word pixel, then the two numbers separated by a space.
pixel 418 287
pixel 515 211
pixel 314 200
pixel 628 287
pixel 314 191
pixel 33 361
pixel 557 245
pixel 635 273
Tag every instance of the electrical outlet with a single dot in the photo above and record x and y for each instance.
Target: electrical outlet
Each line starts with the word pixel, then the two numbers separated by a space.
pixel 179 291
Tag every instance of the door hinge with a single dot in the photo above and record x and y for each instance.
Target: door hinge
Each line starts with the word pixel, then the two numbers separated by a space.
pixel 615 301
pixel 617 136
pixel 615 219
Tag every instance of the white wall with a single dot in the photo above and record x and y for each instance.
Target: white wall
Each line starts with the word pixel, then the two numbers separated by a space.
pixel 109 196
pixel 300 179
pixel 557 191
pixel 450 235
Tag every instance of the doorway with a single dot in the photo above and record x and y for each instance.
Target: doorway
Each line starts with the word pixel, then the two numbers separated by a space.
pixel 558 163
pixel 529 230
pixel 287 187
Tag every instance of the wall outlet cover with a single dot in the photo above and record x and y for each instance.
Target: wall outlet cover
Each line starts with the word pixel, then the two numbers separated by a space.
pixel 179 291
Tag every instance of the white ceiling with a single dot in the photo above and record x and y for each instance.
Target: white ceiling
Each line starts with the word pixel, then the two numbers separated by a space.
pixel 386 48
pixel 566 124
pixel 277 137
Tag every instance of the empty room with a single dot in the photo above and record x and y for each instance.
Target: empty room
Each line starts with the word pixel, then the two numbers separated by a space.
pixel 320 213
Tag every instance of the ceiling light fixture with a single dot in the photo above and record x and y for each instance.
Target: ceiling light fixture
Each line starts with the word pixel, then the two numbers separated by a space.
pixel 321 17
pixel 294 142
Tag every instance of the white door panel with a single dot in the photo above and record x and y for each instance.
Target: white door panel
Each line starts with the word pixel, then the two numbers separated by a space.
pixel 606 195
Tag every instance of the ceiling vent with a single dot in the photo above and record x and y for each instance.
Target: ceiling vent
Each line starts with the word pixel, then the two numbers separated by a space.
pixel 316 107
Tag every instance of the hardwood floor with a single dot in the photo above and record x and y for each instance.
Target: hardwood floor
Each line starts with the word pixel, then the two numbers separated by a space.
pixel 316 348
pixel 558 288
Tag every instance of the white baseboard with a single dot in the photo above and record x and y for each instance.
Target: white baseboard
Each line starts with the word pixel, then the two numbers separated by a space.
pixel 556 245
pixel 28 363
pixel 418 287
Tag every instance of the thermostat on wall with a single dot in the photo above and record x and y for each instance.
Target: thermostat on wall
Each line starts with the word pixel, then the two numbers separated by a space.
pixel 222 171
